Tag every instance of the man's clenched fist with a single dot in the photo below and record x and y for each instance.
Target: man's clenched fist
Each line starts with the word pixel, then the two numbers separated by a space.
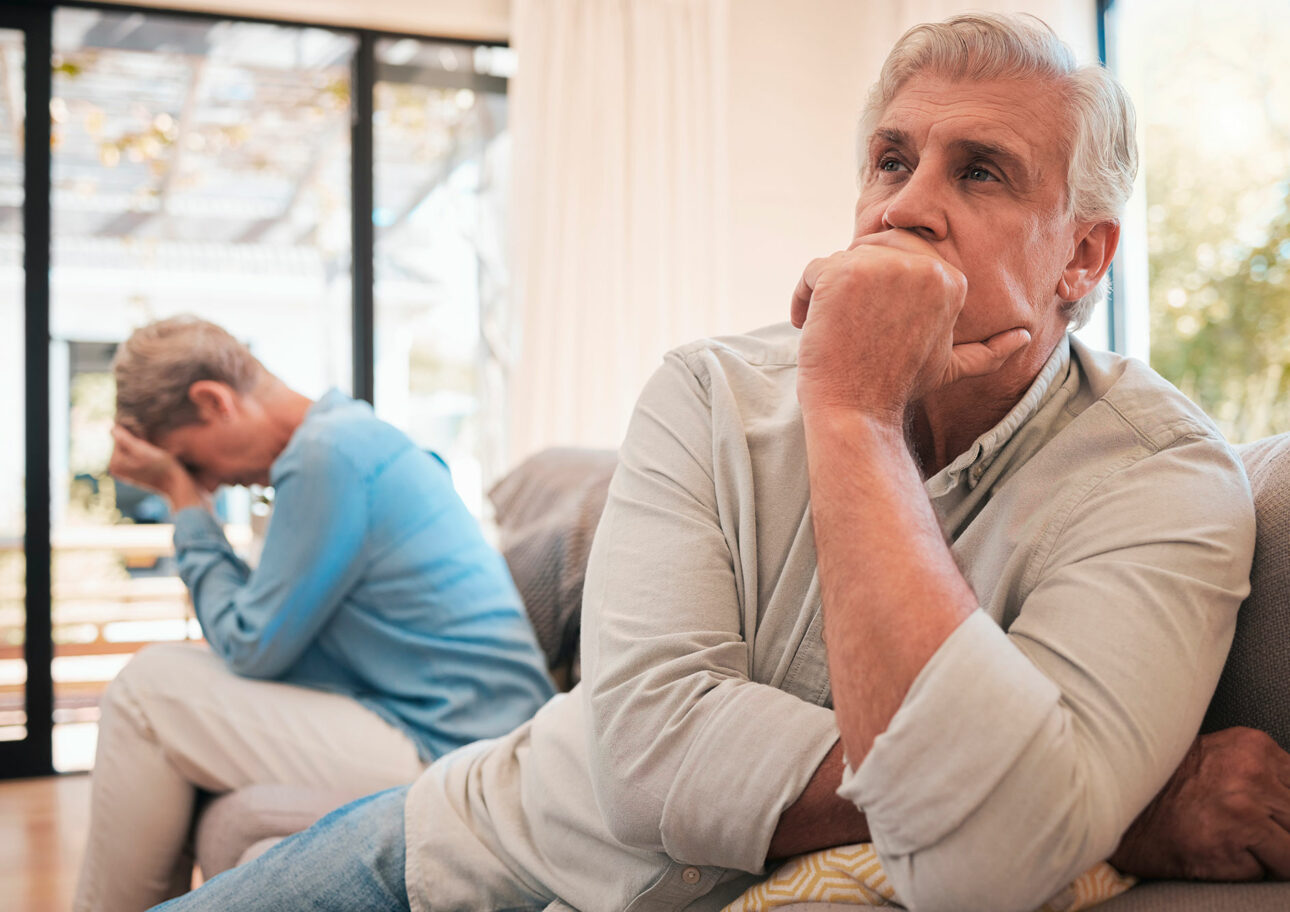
pixel 877 324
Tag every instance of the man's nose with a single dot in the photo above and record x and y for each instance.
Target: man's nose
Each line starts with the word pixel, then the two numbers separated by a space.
pixel 919 206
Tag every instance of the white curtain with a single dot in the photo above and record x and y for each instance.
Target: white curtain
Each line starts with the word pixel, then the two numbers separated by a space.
pixel 628 133
pixel 620 205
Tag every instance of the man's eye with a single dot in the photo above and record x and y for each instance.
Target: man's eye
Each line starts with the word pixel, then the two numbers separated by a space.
pixel 978 173
pixel 889 164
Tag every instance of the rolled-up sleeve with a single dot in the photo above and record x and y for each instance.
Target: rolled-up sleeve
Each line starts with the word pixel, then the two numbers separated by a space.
pixel 689 755
pixel 1018 759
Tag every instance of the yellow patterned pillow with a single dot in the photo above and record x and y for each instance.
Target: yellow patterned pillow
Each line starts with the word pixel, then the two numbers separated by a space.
pixel 853 874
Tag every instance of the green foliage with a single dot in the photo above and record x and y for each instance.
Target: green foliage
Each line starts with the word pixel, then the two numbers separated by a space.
pixel 1210 90
pixel 1222 334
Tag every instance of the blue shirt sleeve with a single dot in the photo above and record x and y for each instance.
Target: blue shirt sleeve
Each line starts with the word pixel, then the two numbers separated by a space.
pixel 261 621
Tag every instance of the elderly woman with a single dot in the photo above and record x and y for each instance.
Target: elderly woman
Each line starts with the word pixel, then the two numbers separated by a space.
pixel 378 632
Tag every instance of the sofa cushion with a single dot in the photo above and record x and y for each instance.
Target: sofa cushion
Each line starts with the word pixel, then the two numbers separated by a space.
pixel 1254 689
pixel 547 509
pixel 1159 896
pixel 1177 896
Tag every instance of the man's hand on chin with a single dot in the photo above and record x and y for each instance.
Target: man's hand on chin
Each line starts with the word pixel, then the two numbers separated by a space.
pixel 1223 815
pixel 877 324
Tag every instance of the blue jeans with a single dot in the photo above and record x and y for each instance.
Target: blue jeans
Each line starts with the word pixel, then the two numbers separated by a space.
pixel 351 859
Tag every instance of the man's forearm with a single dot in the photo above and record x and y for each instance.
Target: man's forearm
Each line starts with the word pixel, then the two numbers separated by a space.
pixel 182 492
pixel 891 591
pixel 819 819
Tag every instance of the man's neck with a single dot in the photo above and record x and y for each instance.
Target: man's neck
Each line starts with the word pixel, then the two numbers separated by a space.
pixel 284 408
pixel 942 426
pixel 945 423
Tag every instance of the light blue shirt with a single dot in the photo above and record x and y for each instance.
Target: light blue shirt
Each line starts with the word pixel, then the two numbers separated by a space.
pixel 374 582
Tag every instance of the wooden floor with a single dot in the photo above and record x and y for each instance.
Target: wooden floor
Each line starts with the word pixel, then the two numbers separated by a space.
pixel 43 823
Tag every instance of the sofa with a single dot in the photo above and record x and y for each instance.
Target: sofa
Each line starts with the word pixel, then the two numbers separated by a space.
pixel 546 511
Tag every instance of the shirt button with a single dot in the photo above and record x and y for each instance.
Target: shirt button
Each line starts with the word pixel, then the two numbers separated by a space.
pixel 691 875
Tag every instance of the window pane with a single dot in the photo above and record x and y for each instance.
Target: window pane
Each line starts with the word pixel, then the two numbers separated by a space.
pixel 199 167
pixel 441 176
pixel 1213 98
pixel 13 581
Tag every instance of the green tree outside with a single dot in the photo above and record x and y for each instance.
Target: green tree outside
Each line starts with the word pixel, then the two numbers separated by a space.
pixel 1211 86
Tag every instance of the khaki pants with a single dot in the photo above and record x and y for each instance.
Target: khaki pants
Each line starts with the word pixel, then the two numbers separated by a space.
pixel 176 720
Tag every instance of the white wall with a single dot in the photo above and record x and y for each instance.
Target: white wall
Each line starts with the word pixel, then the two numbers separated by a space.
pixel 796 84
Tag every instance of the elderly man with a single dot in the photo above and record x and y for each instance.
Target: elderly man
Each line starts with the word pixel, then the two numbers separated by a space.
pixel 378 632
pixel 929 573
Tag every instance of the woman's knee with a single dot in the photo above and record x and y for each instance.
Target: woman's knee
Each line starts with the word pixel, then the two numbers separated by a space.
pixel 159 668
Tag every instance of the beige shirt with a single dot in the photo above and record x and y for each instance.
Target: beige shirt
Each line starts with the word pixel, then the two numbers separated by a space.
pixel 1107 531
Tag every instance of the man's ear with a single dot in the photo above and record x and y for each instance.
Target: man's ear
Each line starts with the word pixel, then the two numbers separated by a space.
pixel 1093 254
pixel 214 400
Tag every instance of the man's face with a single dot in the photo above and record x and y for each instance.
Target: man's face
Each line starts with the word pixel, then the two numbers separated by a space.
pixel 229 449
pixel 976 170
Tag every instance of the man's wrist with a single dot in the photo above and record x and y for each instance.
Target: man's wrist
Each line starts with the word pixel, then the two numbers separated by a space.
pixel 877 425
pixel 182 492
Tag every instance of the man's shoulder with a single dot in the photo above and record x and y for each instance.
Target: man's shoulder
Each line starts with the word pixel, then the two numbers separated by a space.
pixel 347 437
pixel 773 346
pixel 1148 404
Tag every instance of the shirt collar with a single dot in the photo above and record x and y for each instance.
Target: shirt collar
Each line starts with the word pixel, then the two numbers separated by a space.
pixel 972 463
pixel 329 400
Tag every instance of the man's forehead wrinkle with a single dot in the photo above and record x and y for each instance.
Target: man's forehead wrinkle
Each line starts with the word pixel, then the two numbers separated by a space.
pixel 989 102
pixel 962 126
pixel 889 136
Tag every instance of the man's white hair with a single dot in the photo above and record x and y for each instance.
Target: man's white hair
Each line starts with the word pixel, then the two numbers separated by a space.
pixel 1099 143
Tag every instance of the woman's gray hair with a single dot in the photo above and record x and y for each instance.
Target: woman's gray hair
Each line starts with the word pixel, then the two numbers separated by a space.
pixel 1100 145
pixel 160 362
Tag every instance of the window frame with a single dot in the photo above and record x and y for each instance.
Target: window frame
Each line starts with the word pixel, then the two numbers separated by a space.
pixel 1117 329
